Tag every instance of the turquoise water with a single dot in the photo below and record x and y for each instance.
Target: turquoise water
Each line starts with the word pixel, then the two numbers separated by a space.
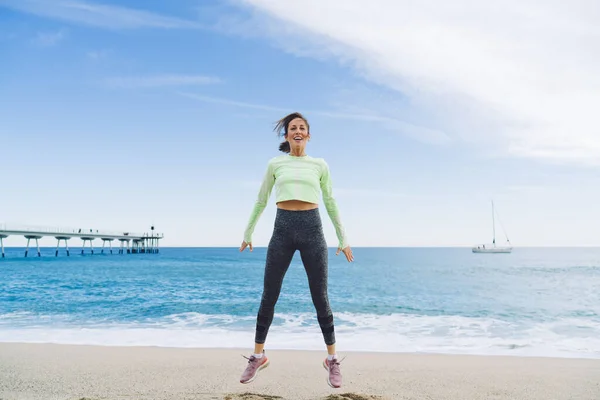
pixel 445 300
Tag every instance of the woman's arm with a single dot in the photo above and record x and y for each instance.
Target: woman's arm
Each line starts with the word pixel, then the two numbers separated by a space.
pixel 261 202
pixel 331 206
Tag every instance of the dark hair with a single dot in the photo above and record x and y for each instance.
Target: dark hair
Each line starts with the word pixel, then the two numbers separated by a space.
pixel 282 129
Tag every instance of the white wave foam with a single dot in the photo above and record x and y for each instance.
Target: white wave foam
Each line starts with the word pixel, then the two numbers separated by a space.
pixel 354 332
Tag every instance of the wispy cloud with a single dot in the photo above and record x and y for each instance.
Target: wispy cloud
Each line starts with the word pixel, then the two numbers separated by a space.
pixel 98 15
pixel 521 78
pixel 418 132
pixel 227 102
pixel 97 54
pixel 48 39
pixel 161 80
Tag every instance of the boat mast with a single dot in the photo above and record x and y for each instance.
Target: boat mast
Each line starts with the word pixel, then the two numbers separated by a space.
pixel 493 224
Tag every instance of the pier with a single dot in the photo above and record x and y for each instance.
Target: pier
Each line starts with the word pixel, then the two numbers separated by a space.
pixel 130 242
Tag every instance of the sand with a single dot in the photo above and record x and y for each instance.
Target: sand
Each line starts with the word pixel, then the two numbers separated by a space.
pixel 70 372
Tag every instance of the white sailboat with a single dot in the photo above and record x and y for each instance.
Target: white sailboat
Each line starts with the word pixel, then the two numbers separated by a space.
pixel 493 248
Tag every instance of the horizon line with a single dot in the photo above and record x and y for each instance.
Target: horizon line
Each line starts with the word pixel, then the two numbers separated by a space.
pixel 353 247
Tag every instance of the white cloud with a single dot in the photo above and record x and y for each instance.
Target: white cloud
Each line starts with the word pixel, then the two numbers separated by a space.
pixel 228 102
pixel 418 132
pixel 521 76
pixel 161 80
pixel 49 39
pixel 98 54
pixel 98 15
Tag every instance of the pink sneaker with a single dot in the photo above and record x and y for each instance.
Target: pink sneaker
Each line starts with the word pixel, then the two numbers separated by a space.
pixel 254 365
pixel 334 378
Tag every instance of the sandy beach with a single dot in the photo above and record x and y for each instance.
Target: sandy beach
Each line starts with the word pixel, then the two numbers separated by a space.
pixel 47 371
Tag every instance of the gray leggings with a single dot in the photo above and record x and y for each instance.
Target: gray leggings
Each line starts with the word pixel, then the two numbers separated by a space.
pixel 303 231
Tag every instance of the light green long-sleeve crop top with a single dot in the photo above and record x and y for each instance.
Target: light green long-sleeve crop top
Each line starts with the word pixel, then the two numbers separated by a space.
pixel 297 178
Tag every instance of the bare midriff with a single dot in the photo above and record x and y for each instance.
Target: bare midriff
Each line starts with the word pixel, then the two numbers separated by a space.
pixel 296 205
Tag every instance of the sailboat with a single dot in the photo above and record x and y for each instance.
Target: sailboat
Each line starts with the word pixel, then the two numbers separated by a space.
pixel 482 248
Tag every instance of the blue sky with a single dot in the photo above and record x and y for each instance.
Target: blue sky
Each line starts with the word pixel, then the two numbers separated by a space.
pixel 116 115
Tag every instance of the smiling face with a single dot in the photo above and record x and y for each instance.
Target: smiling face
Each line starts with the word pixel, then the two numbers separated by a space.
pixel 297 134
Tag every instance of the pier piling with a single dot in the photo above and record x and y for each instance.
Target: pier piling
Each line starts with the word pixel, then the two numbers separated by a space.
pixel 124 246
pixel 2 237
pixel 104 240
pixel 87 239
pixel 37 244
pixel 59 238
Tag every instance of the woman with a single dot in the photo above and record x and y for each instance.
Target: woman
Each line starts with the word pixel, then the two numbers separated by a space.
pixel 297 179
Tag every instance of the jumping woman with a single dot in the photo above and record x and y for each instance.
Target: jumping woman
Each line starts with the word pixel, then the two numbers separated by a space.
pixel 298 180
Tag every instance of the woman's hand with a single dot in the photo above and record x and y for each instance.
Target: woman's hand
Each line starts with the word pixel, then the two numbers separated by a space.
pixel 347 252
pixel 244 245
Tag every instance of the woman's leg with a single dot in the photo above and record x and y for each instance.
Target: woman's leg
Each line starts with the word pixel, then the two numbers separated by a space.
pixel 279 256
pixel 315 259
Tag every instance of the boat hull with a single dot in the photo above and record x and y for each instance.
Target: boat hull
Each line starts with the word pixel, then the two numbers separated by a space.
pixel 492 250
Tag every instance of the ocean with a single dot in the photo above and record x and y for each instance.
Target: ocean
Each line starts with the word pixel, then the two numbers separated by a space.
pixel 533 302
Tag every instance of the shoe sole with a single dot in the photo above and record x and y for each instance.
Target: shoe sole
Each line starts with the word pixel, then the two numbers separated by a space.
pixel 328 381
pixel 265 365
